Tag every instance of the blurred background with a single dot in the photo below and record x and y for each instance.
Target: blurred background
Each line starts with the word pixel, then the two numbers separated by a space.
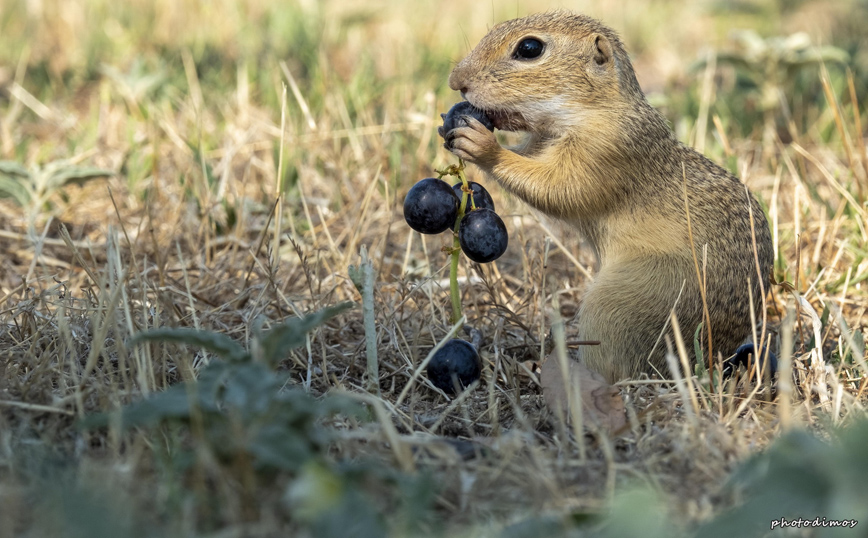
pixel 384 57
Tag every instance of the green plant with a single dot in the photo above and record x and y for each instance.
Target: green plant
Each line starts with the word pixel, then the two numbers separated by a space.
pixel 773 63
pixel 799 482
pixel 239 415
pixel 768 69
pixel 31 188
pixel 238 400
pixel 800 478
pixel 363 278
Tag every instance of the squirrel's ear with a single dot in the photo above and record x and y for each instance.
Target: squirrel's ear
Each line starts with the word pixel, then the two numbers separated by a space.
pixel 602 49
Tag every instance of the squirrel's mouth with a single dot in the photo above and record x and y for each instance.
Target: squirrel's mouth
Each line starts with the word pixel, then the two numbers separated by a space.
pixel 502 119
pixel 506 121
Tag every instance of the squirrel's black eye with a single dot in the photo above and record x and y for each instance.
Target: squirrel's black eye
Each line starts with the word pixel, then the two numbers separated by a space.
pixel 528 49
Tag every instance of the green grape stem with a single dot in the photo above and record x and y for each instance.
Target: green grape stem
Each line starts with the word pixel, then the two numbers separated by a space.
pixel 456 246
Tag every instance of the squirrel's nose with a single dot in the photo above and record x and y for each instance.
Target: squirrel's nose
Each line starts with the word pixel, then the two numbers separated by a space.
pixel 457 80
pixel 455 84
pixel 458 85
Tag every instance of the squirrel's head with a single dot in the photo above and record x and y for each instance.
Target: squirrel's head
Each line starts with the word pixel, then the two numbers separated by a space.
pixel 547 72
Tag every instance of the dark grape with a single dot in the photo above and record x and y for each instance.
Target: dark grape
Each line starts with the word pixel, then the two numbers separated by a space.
pixel 480 196
pixel 457 361
pixel 453 118
pixel 741 359
pixel 482 236
pixel 431 206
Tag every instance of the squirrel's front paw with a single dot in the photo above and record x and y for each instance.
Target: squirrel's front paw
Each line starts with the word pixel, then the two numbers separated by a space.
pixel 472 142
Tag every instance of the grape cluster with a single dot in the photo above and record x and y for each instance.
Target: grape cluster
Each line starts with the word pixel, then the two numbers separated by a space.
pixel 432 206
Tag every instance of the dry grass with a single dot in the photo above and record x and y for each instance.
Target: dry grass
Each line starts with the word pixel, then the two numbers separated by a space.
pixel 207 115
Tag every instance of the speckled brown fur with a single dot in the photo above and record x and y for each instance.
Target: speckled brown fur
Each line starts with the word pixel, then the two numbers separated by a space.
pixel 599 157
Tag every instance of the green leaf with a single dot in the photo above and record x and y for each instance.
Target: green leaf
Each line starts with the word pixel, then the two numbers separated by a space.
pixel 10 187
pixel 14 180
pixel 75 174
pixel 357 275
pixel 355 515
pixel 251 388
pixel 12 168
pixel 211 381
pixel 219 344
pixel 278 446
pixel 697 345
pixel 291 333
pixel 174 402
pixel 859 340
pixel 816 55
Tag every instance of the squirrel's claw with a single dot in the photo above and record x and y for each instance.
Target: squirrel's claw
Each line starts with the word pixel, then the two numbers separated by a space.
pixel 474 143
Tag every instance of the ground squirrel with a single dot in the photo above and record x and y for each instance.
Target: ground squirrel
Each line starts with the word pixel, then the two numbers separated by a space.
pixel 600 158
